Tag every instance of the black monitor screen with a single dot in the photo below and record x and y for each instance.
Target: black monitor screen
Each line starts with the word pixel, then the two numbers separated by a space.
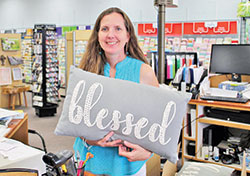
pixel 230 59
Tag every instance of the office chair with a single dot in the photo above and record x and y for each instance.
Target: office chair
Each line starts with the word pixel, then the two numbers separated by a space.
pixel 18 172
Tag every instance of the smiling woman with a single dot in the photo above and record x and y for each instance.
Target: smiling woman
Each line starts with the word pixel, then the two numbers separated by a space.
pixel 113 51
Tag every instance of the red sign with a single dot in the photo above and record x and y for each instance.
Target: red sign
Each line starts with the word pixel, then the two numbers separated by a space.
pixel 147 29
pixel 210 28
pixel 171 29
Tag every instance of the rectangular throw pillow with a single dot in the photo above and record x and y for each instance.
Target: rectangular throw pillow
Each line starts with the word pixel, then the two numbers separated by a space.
pixel 145 115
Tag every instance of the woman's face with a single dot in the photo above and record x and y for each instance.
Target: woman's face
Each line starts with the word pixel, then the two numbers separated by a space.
pixel 113 35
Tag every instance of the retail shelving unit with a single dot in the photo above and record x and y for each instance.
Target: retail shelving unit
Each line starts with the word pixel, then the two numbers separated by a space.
pixel 27 52
pixel 197 36
pixel 62 64
pixel 202 121
pixel 76 42
pixel 173 61
pixel 45 70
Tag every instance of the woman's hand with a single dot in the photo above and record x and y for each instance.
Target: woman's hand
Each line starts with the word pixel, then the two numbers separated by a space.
pixel 105 142
pixel 135 152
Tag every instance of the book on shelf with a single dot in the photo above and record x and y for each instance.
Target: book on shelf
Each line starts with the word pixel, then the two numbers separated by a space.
pixel 193 122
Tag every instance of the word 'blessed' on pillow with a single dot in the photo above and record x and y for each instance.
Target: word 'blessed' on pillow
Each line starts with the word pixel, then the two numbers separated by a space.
pixel 145 115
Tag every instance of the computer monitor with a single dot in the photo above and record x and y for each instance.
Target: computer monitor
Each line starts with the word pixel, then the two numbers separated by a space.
pixel 230 59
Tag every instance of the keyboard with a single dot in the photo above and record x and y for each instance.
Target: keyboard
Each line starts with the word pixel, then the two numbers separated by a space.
pixel 229 99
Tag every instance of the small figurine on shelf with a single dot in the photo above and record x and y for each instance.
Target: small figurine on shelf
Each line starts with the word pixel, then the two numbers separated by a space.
pixel 2 58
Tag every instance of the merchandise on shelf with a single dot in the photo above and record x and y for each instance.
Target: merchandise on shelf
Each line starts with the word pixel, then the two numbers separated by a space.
pixel 76 42
pixel 62 61
pixel 190 37
pixel 200 45
pixel 80 47
pixel 27 51
pixel 173 61
pixel 247 33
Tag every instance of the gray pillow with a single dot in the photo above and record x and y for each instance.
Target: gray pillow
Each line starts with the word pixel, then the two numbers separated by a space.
pixel 141 114
pixel 204 169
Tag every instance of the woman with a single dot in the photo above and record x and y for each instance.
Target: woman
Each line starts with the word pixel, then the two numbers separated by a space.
pixel 113 51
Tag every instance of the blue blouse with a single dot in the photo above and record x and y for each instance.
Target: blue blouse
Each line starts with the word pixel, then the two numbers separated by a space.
pixel 106 160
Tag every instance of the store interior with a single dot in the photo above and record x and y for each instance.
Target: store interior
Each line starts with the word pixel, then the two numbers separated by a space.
pixel 42 40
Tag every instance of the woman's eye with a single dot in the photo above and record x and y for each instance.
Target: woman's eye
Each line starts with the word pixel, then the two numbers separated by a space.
pixel 104 29
pixel 118 28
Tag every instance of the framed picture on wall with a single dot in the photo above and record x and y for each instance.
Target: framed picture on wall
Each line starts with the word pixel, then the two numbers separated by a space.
pixel 5 75
pixel 10 44
pixel 17 74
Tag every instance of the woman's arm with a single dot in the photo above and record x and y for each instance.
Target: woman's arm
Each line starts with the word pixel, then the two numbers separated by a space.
pixel 147 76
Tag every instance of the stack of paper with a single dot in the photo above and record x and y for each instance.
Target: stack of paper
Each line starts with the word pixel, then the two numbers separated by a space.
pixel 4 113
pixel 231 85
pixel 5 117
pixel 14 150
pixel 222 93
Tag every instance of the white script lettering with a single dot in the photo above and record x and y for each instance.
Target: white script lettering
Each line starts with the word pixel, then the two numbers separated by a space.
pixel 77 113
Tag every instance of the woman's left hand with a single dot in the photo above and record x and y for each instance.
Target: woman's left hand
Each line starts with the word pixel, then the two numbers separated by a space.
pixel 135 152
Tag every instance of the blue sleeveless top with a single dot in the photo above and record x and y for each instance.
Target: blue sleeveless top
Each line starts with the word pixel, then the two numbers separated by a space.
pixel 106 159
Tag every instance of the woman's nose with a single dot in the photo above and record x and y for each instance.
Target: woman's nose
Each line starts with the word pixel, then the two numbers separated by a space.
pixel 111 33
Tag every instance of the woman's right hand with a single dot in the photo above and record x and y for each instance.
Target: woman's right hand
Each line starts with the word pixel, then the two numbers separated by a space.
pixel 104 142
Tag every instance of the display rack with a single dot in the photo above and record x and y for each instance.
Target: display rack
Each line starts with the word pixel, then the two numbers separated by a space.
pixel 27 55
pixel 173 61
pixel 197 36
pixel 45 70
pixel 80 41
pixel 245 30
pixel 76 42
pixel 62 64
pixel 27 52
